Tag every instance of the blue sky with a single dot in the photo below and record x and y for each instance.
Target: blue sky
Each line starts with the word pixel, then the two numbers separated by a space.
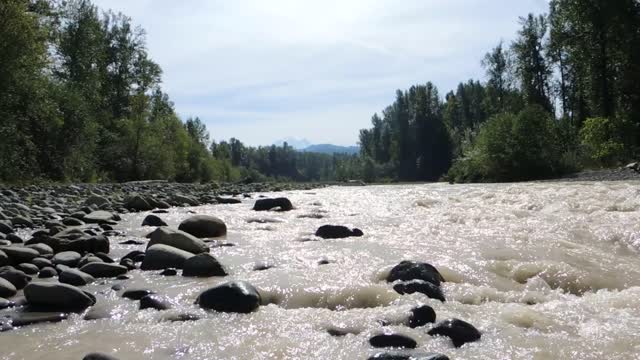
pixel 263 70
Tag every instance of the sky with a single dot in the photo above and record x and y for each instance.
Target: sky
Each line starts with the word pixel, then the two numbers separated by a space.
pixel 263 70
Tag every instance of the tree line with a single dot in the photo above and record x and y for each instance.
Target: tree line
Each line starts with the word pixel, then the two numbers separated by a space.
pixel 564 95
pixel 81 100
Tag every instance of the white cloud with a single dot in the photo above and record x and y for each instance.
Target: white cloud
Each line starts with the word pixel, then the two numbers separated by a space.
pixel 263 70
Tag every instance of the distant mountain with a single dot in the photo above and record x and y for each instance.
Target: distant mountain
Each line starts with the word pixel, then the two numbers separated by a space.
pixel 332 149
pixel 298 144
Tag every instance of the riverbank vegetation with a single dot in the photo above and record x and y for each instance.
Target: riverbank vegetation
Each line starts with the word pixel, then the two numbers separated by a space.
pixel 565 95
pixel 81 100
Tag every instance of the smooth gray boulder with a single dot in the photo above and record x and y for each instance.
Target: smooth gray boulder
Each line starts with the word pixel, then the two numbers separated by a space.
pixel 153 220
pixel 103 270
pixel 177 239
pixel 19 254
pixel 203 265
pixel 161 256
pixel 204 226
pixel 75 277
pixel 68 258
pixel 57 296
pixel 99 217
pixel 234 296
pixel 7 289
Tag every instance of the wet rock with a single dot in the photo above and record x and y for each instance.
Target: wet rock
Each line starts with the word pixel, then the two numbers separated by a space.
pixel 19 254
pixel 72 221
pixel 99 217
pixel 204 226
pixel 43 249
pixel 137 203
pixel 57 297
pixel 96 200
pixel 7 289
pixel 154 302
pixel 421 315
pixel 80 243
pixel 222 200
pixel 75 277
pixel 203 265
pixel 104 257
pixel 133 255
pixel 19 319
pixel 169 272
pixel 403 356
pixel 69 258
pixel 160 256
pixel 5 228
pixel 235 296
pixel 47 273
pixel 4 303
pixel 182 317
pixel 28 269
pixel 337 232
pixel 393 340
pixel 15 239
pixel 411 270
pixel 132 242
pixel 153 220
pixel 283 204
pixel 420 286
pixel 460 332
pixel 41 262
pixel 97 312
pixel 17 277
pixel 261 266
pixel 4 259
pixel 177 239
pixel 128 263
pixel 98 356
pixel 89 258
pixel 123 277
pixel 22 221
pixel 137 294
pixel 103 270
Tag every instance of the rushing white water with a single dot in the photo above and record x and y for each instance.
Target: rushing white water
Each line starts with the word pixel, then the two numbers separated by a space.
pixel 544 270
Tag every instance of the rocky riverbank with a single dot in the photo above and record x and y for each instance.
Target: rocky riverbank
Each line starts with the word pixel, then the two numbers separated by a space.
pixel 627 173
pixel 43 275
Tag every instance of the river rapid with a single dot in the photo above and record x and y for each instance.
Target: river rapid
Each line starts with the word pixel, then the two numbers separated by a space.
pixel 543 270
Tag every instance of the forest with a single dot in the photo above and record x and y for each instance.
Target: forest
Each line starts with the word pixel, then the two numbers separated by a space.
pixel 81 100
pixel 563 96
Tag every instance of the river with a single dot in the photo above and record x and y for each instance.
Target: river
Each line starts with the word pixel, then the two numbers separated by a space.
pixel 543 270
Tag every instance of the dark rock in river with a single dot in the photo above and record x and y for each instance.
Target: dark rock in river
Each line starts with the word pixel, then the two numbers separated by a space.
pixel 69 258
pixel 57 297
pixel 18 319
pixel 169 272
pixel 269 204
pixel 80 243
pixel 421 315
pixel 103 270
pixel 132 242
pixel 420 286
pixel 137 203
pixel 19 254
pixel 222 200
pixel 153 220
pixel 98 356
pixel 15 239
pixel 177 239
pixel 4 303
pixel 411 270
pixel 460 332
pixel 75 277
pixel 160 256
pixel 17 277
pixel 41 262
pixel 43 249
pixel 137 294
pixel 337 232
pixel 204 226
pixel 393 340
pixel 154 302
pixel 99 217
pixel 4 259
pixel 5 228
pixel 403 356
pixel 235 296
pixel 7 289
pixel 28 269
pixel 47 272
pixel 203 265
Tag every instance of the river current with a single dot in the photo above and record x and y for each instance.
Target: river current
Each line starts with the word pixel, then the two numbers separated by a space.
pixel 543 270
